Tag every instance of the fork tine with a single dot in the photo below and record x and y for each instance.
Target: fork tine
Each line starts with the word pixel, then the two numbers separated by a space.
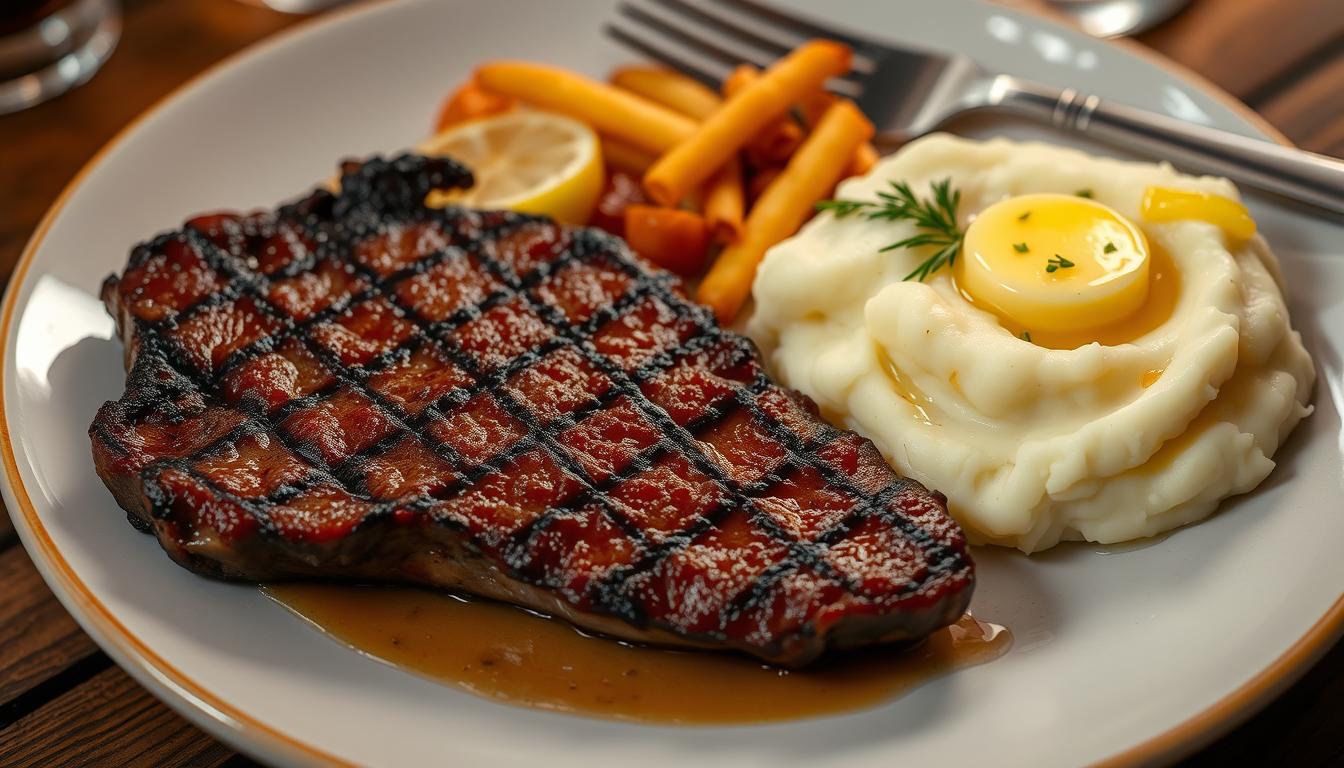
pixel 670 53
pixel 765 27
pixel 709 16
pixel 709 41
pixel 759 11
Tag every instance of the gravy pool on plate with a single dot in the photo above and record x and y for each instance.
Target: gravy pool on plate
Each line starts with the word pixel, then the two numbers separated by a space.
pixel 507 654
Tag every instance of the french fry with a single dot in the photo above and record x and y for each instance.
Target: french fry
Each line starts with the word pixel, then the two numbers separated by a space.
pixel 865 157
pixel 785 205
pixel 691 161
pixel 671 238
pixel 618 154
pixel 813 107
pixel 775 145
pixel 761 181
pixel 671 89
pixel 777 140
pixel 612 111
pixel 725 203
pixel 470 102
pixel 741 76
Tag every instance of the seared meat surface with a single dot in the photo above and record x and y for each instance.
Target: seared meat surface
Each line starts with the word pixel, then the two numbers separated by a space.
pixel 359 387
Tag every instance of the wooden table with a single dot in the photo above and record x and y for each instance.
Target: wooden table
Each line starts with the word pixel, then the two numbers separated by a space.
pixel 63 702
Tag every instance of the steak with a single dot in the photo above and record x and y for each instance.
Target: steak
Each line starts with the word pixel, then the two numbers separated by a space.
pixel 360 387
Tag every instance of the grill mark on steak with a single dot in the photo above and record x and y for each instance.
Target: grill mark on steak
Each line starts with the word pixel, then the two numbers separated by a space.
pixel 358 387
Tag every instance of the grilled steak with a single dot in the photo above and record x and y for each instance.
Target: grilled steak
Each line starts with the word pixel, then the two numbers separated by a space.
pixel 360 387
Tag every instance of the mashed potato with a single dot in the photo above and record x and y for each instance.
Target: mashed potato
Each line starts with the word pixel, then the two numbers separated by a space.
pixel 1032 445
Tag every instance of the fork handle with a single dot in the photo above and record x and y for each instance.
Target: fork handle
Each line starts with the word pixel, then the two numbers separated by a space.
pixel 1292 173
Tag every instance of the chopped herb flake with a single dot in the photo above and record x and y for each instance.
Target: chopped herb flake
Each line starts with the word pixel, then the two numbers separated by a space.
pixel 1084 193
pixel 1058 262
pixel 1110 248
pixel 1026 336
pixel 1024 216
pixel 1020 247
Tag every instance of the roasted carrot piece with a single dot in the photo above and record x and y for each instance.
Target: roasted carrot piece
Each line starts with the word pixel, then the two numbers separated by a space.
pixel 673 239
pixel 470 101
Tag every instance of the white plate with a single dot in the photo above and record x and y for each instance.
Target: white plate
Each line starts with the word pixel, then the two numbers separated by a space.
pixel 1135 656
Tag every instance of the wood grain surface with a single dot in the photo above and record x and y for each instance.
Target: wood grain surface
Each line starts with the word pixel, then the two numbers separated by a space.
pixel 63 702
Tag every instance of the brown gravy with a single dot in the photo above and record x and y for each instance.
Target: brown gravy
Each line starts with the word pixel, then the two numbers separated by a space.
pixel 508 654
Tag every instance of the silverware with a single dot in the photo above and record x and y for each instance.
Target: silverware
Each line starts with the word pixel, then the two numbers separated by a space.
pixel 908 93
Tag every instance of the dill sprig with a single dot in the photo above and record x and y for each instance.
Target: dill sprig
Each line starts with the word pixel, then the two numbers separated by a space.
pixel 936 218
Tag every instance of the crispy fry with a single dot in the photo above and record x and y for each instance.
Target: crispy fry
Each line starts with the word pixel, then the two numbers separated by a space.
pixel 671 89
pixel 612 111
pixel 741 76
pixel 725 203
pixel 775 145
pixel 785 205
pixel 865 157
pixel 761 181
pixel 671 238
pixel 470 102
pixel 813 107
pixel 692 161
pixel 619 154
pixel 776 141
pixel 694 201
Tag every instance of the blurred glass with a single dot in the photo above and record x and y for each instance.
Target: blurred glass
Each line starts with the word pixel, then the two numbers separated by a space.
pixel 1116 18
pixel 297 6
pixel 48 47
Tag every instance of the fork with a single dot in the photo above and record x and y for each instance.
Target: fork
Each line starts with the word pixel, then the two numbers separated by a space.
pixel 908 93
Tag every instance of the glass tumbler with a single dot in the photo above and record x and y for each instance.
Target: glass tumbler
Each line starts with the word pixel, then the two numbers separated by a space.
pixel 48 47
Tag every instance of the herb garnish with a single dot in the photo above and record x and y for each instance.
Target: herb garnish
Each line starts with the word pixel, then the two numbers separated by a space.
pixel 1024 216
pixel 1110 248
pixel 1084 193
pixel 1026 336
pixel 936 218
pixel 1020 247
pixel 1057 262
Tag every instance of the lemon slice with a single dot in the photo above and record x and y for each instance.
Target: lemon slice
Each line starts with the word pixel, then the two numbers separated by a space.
pixel 534 162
